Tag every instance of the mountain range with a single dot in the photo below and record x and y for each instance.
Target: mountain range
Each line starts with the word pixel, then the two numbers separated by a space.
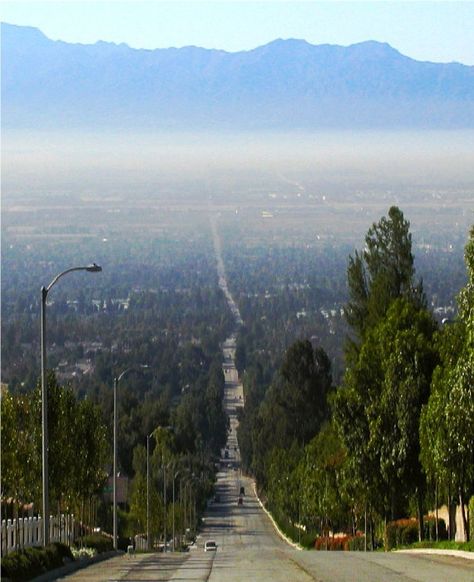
pixel 286 84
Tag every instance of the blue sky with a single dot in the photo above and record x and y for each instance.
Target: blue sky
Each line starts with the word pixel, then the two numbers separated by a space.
pixel 436 31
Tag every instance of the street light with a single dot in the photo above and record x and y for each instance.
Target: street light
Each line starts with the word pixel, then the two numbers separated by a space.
pixel 148 545
pixel 44 395
pixel 116 381
pixel 174 537
pixel 148 437
pixel 188 503
pixel 164 502
pixel 148 481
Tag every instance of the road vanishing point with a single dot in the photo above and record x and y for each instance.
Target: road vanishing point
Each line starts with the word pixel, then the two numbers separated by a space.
pixel 249 548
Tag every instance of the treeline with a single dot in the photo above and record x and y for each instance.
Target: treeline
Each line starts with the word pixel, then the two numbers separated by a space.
pixel 182 459
pixel 186 436
pixel 286 293
pixel 175 320
pixel 395 438
pixel 161 291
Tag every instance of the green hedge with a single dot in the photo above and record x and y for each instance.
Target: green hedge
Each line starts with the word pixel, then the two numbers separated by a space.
pixel 28 563
pixel 429 529
pixel 404 532
pixel 357 543
pixel 331 544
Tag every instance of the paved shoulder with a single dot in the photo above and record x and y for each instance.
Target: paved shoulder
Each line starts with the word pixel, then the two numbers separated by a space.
pixel 127 568
pixel 385 567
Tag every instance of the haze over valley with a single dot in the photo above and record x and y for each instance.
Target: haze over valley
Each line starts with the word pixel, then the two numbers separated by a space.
pixel 272 243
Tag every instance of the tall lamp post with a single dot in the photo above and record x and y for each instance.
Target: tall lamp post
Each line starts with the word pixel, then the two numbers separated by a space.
pixel 174 536
pixel 116 381
pixel 44 394
pixel 165 514
pixel 148 485
pixel 148 540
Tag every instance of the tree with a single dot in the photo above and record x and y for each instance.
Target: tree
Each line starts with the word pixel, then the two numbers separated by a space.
pixel 324 503
pixel 92 449
pixel 378 408
pixel 138 497
pixel 383 271
pixel 303 393
pixel 447 427
pixel 390 360
pixel 21 464
pixel 62 438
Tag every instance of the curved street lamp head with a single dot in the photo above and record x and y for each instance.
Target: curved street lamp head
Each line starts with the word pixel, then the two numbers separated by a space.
pixel 94 268
pixel 131 369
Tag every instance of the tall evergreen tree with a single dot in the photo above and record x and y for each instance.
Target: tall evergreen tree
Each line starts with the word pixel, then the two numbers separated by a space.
pixel 380 273
pixel 389 367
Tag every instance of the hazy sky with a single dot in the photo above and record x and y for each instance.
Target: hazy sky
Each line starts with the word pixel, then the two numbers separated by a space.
pixel 436 31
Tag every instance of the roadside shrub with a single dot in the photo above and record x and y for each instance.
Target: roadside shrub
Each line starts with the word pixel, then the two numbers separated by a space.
pixel 357 543
pixel 409 534
pixel 391 532
pixel 98 542
pixel 79 553
pixel 63 551
pixel 404 532
pixel 307 539
pixel 339 543
pixel 429 528
pixel 394 533
pixel 30 562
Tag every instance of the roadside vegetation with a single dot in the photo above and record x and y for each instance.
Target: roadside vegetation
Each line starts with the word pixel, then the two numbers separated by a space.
pixel 28 563
pixel 167 313
pixel 342 435
pixel 395 438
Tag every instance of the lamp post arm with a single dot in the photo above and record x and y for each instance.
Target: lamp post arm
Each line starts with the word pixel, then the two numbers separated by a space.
pixel 94 268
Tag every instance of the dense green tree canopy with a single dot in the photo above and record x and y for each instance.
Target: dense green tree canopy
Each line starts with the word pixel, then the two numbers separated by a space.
pixel 383 271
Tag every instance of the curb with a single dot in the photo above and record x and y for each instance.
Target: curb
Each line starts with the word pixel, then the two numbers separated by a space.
pixel 73 566
pixel 455 553
pixel 274 523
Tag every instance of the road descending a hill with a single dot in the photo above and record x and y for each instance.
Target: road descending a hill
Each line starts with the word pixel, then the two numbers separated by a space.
pixel 249 549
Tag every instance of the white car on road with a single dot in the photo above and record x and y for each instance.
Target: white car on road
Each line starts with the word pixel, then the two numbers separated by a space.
pixel 210 546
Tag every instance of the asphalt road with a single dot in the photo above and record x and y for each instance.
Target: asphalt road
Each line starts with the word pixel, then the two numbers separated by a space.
pixel 249 548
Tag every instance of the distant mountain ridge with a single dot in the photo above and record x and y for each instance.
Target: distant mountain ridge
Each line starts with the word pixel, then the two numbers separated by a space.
pixel 281 85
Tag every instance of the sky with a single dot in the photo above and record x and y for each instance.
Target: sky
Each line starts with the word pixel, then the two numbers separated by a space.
pixel 429 31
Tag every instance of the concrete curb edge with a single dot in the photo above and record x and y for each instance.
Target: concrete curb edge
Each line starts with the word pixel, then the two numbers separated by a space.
pixel 434 551
pixel 274 523
pixel 73 566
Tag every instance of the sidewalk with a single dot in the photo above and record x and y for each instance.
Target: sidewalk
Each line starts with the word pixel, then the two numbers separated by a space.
pixel 455 553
